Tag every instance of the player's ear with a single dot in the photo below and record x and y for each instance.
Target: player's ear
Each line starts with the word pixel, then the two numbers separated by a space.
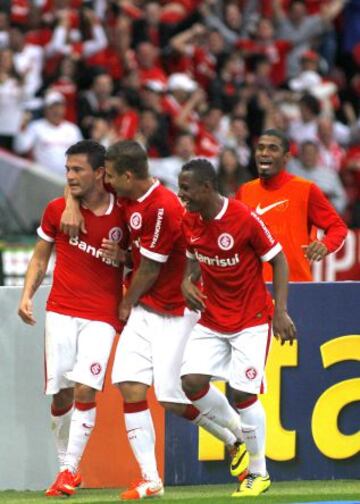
pixel 100 172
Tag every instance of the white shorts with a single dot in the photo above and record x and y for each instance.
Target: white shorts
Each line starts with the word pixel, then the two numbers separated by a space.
pixel 237 358
pixel 76 351
pixel 150 351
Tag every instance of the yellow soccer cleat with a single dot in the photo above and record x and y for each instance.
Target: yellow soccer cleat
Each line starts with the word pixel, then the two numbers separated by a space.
pixel 252 486
pixel 240 460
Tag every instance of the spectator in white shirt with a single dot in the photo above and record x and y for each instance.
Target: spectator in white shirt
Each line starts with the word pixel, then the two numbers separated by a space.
pixel 12 96
pixel 28 60
pixel 48 138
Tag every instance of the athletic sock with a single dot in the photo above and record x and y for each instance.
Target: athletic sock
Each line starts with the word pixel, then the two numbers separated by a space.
pixel 82 424
pixel 141 435
pixel 253 425
pixel 60 425
pixel 221 433
pixel 214 406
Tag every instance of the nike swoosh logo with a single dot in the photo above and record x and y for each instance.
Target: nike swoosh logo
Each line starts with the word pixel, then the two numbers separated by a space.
pixel 86 426
pixel 194 239
pixel 130 430
pixel 150 492
pixel 234 466
pixel 262 211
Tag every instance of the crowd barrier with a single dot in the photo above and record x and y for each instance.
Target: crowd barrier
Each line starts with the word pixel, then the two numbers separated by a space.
pixel 313 404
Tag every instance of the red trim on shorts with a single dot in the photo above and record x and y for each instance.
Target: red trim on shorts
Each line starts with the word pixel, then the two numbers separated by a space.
pixel 60 411
pixel 190 412
pixel 85 406
pixel 198 395
pixel 262 387
pixel 135 407
pixel 247 403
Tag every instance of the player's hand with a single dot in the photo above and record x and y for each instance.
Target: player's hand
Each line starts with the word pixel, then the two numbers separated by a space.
pixel 194 298
pixel 111 250
pixel 25 311
pixel 72 222
pixel 284 327
pixel 124 310
pixel 316 251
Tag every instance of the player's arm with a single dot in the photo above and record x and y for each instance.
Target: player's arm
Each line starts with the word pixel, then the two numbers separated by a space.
pixel 322 215
pixel 194 298
pixel 284 327
pixel 142 281
pixel 34 275
pixel 72 220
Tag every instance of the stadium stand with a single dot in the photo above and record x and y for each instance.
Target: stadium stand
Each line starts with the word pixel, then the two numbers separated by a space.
pixel 218 71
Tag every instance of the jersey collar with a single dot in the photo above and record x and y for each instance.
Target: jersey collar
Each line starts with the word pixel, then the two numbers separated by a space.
pixel 277 180
pixel 148 192
pixel 223 210
pixel 111 204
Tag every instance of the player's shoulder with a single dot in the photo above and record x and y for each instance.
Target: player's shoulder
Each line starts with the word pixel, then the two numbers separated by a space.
pixel 301 182
pixel 238 208
pixel 165 198
pixel 57 204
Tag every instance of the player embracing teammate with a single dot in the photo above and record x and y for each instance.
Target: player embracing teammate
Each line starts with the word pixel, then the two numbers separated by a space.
pixel 158 323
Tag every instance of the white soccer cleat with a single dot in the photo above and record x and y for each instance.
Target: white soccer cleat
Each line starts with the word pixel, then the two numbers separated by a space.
pixel 143 489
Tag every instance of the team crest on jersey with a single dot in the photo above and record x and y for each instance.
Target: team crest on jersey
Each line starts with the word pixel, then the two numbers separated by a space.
pixel 251 373
pixel 135 220
pixel 225 241
pixel 115 234
pixel 95 368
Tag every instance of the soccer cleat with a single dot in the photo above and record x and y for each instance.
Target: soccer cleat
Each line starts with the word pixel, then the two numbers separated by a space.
pixel 77 479
pixel 143 490
pixel 240 460
pixel 252 486
pixel 54 491
pixel 65 482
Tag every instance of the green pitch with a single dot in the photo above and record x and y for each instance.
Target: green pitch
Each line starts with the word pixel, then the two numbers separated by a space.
pixel 289 492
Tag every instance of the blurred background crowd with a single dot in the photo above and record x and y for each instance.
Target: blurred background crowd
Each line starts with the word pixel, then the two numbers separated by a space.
pixel 187 78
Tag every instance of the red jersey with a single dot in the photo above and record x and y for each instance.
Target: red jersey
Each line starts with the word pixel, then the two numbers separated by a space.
pixel 85 284
pixel 154 221
pixel 230 250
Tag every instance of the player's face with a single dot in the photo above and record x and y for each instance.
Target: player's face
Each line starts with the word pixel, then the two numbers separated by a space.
pixel 191 193
pixel 270 156
pixel 121 183
pixel 80 175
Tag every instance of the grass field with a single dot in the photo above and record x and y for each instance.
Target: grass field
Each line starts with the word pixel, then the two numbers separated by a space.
pixel 289 492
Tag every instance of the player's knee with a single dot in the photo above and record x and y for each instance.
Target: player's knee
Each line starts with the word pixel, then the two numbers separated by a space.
pixel 132 392
pixel 193 383
pixel 240 397
pixel 63 399
pixel 84 393
pixel 177 409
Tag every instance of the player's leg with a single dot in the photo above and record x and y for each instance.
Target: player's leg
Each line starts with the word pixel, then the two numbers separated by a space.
pixel 60 354
pixel 250 350
pixel 168 350
pixel 133 374
pixel 196 373
pixel 94 342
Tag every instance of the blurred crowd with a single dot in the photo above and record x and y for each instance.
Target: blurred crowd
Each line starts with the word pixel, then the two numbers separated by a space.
pixel 188 78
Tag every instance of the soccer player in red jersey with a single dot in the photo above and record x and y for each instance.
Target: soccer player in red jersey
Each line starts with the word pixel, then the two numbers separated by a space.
pixel 226 245
pixel 81 312
pixel 151 345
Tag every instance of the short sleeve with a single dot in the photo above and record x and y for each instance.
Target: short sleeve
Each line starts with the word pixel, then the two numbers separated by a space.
pixel 264 244
pixel 49 224
pixel 161 227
